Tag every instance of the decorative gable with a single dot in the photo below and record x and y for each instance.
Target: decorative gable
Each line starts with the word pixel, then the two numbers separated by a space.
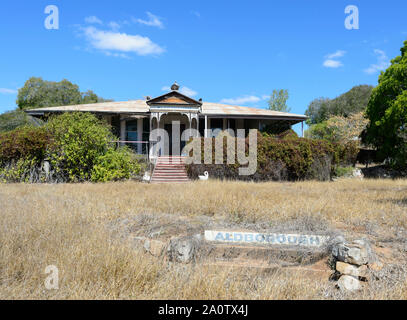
pixel 174 98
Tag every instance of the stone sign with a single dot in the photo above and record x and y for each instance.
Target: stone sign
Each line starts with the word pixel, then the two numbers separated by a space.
pixel 266 238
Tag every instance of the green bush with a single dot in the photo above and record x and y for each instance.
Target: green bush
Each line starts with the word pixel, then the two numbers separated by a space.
pixel 79 140
pixel 115 165
pixel 78 146
pixel 289 158
pixel 20 170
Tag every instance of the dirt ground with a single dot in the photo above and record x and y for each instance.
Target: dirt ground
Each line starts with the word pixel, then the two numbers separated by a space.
pixel 88 232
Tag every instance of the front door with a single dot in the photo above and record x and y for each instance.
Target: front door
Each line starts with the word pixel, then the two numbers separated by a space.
pixel 168 129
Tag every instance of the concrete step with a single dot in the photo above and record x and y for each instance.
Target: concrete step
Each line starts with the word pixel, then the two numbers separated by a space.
pixel 169 169
pixel 170 178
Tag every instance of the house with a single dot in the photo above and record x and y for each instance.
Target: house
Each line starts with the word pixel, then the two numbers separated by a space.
pixel 132 121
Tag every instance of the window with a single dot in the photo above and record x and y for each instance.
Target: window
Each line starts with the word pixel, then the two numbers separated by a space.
pixel 131 130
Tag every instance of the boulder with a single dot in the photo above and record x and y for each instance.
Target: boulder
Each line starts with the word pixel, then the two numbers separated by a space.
pixel 352 270
pixel 348 283
pixel 359 252
pixel 183 249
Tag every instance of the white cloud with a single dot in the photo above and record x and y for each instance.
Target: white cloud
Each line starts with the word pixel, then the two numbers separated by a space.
pixel 153 21
pixel 329 61
pixel 7 91
pixel 116 41
pixel 196 13
pixel 184 90
pixel 114 25
pixel 188 92
pixel 241 100
pixel 332 64
pixel 337 54
pixel 382 62
pixel 93 20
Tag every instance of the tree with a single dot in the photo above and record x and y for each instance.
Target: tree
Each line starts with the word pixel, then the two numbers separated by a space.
pixel 278 101
pixel 317 111
pixel 38 93
pixel 387 112
pixel 339 129
pixel 17 118
pixel 351 102
pixel 91 97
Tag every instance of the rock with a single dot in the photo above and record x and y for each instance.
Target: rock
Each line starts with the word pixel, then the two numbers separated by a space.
pixel 366 246
pixel 357 256
pixel 352 270
pixel 154 247
pixel 348 283
pixel 183 249
pixel 358 252
pixel 375 266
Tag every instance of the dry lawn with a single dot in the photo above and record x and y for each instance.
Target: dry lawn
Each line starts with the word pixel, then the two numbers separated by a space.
pixel 66 225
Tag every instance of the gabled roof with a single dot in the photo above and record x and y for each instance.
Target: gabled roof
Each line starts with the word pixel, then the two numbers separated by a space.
pixel 174 98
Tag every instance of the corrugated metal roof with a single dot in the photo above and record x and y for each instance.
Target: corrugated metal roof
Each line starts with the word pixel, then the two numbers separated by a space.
pixel 140 106
pixel 229 110
pixel 131 106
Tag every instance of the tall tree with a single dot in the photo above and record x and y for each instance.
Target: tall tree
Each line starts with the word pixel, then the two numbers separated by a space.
pixel 351 102
pixel 278 100
pixel 387 112
pixel 38 93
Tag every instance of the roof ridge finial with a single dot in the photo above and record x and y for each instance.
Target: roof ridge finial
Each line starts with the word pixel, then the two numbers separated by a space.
pixel 175 86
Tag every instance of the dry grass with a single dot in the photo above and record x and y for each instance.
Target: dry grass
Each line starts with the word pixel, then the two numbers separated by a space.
pixel 65 225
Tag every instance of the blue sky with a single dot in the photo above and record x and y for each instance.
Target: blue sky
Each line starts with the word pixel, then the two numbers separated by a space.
pixel 222 51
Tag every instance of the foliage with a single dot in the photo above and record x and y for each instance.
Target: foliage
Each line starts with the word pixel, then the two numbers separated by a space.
pixel 339 128
pixel 79 139
pixel 91 97
pixel 77 145
pixel 278 100
pixel 24 142
pixel 20 170
pixel 38 93
pixel 387 112
pixel 283 158
pixel 353 101
pixel 115 165
pixel 343 171
pixel 15 119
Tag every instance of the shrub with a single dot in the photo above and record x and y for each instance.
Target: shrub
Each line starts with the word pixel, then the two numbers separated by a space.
pixel 20 170
pixel 79 140
pixel 24 142
pixel 290 158
pixel 115 165
pixel 78 147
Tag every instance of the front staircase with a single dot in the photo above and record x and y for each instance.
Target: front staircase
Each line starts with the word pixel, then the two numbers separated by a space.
pixel 170 169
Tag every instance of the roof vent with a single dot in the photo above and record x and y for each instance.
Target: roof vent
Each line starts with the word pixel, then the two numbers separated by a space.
pixel 175 86
pixel 200 99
